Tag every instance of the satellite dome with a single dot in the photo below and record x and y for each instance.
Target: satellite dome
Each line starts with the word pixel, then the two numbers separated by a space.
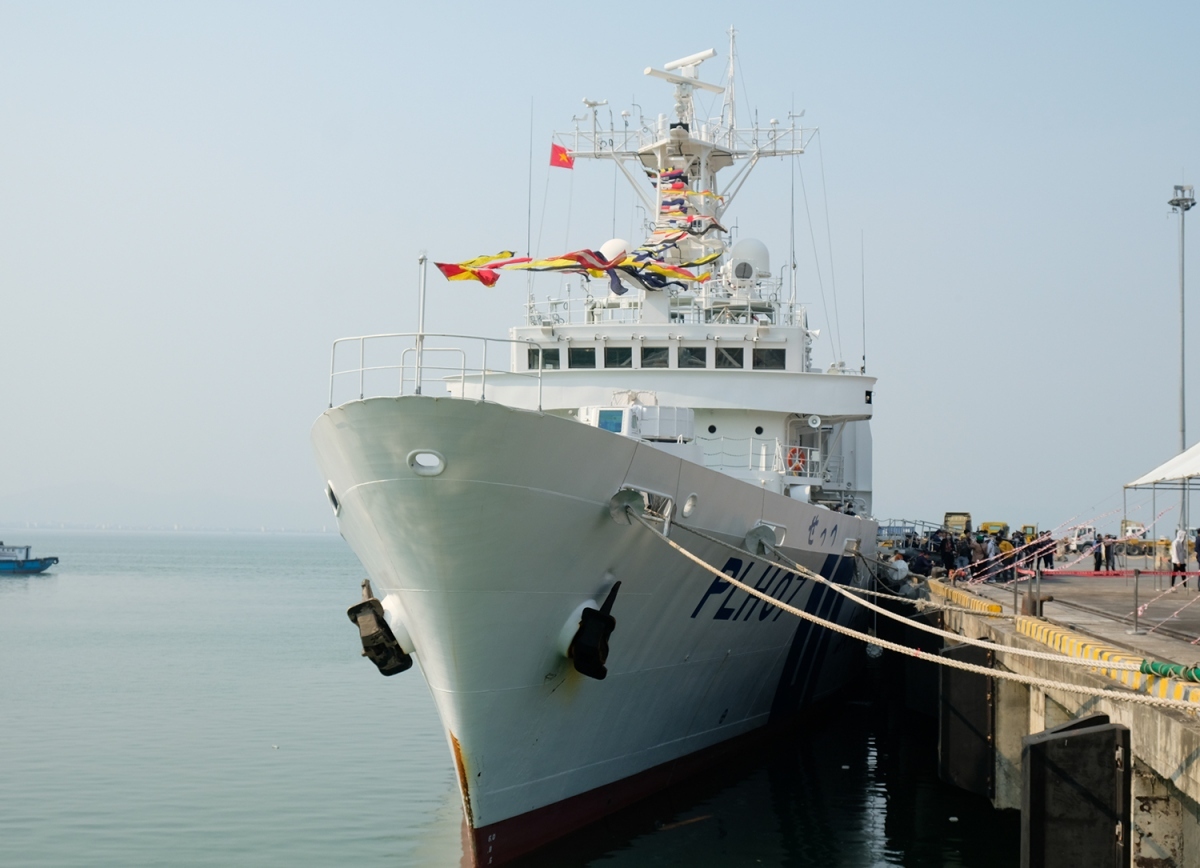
pixel 749 259
pixel 609 249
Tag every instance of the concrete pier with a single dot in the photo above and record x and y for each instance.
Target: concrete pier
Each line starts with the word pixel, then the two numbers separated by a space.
pixel 1086 621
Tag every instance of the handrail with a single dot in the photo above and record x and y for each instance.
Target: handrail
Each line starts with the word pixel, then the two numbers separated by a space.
pixel 752 454
pixel 418 346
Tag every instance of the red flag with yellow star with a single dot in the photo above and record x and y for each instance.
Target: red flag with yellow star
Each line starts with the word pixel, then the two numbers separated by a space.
pixel 561 157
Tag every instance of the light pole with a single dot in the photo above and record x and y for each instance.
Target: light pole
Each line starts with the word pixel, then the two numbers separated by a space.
pixel 1182 203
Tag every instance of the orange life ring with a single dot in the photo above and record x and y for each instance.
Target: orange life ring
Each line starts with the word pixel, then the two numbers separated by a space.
pixel 796 459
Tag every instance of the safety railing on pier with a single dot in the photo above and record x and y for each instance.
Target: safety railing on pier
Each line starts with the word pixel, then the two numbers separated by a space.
pixel 412 363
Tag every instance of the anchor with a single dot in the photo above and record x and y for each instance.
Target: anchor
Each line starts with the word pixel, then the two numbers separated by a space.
pixel 378 640
pixel 589 648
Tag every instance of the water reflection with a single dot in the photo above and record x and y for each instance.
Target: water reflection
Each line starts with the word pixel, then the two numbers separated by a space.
pixel 854 785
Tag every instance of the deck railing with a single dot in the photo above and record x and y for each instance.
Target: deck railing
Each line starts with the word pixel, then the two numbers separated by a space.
pixel 762 454
pixel 408 363
pixel 708 304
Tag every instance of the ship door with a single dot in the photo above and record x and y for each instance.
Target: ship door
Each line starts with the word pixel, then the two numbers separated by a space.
pixel 799 433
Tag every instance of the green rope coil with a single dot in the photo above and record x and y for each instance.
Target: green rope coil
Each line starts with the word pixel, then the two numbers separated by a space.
pixel 1171 670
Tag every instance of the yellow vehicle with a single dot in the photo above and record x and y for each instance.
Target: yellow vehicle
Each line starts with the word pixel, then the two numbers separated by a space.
pixel 957 523
pixel 994 528
pixel 1029 531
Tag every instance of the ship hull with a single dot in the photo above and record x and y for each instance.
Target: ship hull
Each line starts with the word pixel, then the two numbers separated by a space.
pixel 484 567
pixel 27 567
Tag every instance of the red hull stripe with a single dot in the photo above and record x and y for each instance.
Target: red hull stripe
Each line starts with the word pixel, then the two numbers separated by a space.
pixel 509 839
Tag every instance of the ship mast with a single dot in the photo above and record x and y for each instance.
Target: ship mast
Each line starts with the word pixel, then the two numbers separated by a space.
pixel 728 108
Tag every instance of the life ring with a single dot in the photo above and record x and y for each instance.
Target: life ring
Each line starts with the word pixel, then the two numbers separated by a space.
pixel 797 457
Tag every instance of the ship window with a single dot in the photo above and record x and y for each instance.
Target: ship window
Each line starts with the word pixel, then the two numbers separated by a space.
pixel 656 357
pixel 693 357
pixel 610 420
pixel 730 357
pixel 769 360
pixel 618 357
pixel 581 357
pixel 547 358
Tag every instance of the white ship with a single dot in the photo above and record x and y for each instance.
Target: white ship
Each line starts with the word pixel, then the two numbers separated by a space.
pixel 482 483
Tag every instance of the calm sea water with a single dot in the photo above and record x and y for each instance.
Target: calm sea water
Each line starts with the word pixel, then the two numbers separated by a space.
pixel 199 699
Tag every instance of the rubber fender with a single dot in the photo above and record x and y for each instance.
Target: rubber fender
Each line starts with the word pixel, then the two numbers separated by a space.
pixel 379 642
pixel 589 649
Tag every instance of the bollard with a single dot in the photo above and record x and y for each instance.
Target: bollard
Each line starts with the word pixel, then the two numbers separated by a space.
pixel 1136 631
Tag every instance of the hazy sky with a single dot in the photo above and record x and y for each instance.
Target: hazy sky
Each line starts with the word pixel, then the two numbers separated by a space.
pixel 197 198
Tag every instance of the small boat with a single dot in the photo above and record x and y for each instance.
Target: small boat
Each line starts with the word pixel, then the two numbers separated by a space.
pixel 16 559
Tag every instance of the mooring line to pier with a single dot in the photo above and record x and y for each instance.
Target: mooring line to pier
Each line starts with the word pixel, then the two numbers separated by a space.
pixel 1031 680
pixel 927 628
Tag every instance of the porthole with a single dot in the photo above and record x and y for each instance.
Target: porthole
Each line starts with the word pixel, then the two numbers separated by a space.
pixel 712 429
pixel 689 505
pixel 758 430
pixel 333 500
pixel 426 462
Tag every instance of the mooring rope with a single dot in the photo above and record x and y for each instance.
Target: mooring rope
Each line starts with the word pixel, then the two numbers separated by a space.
pixel 1033 681
pixel 927 628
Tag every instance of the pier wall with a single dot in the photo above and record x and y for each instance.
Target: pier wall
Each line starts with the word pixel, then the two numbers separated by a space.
pixel 1165 742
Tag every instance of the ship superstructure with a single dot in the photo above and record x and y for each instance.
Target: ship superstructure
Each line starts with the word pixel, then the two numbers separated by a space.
pixel 481 483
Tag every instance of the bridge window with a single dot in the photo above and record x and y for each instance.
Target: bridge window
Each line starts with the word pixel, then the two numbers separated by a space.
pixel 656 357
pixel 581 357
pixel 769 360
pixel 618 357
pixel 693 357
pixel 547 359
pixel 731 357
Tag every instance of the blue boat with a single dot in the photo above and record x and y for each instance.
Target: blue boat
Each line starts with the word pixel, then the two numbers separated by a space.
pixel 16 560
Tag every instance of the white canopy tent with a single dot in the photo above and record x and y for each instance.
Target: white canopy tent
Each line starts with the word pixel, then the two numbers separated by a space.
pixel 1173 474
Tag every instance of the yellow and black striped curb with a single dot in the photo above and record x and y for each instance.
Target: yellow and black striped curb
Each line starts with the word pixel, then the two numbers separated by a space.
pixel 1076 645
pixel 1088 648
pixel 962 598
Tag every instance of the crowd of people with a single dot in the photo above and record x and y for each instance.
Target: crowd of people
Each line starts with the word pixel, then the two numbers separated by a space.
pixel 979 557
pixel 997 557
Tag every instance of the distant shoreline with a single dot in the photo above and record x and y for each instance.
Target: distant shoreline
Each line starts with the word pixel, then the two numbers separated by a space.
pixel 42 527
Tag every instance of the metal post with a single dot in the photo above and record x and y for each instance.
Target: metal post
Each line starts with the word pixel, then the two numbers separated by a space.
pixel 1151 533
pixel 1136 631
pixel 1182 203
pixel 483 381
pixel 332 368
pixel 1016 584
pixel 421 260
pixel 1037 594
